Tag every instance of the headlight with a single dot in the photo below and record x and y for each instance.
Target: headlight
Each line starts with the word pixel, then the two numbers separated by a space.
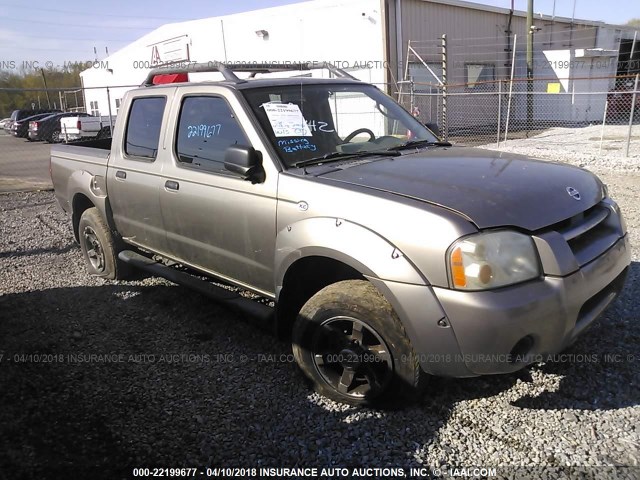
pixel 492 259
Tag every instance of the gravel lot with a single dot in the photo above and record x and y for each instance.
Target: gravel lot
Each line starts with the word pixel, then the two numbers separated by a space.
pixel 183 382
pixel 581 147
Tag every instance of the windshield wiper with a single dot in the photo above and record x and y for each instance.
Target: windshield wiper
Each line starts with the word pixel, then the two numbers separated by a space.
pixel 419 143
pixel 334 156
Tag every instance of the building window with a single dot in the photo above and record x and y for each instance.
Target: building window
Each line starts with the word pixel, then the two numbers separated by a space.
pixel 426 78
pixel 207 127
pixel 479 75
pixel 93 107
pixel 143 127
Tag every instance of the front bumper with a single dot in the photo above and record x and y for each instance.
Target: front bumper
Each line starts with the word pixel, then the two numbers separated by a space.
pixel 503 330
pixel 466 334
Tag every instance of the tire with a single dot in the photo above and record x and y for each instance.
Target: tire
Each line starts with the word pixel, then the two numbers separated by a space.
pixel 350 343
pixel 99 248
pixel 55 137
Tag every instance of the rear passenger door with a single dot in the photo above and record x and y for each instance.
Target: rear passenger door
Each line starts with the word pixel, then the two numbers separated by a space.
pixel 134 175
pixel 216 221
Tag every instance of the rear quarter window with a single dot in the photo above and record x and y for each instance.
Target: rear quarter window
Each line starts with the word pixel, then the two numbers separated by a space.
pixel 143 127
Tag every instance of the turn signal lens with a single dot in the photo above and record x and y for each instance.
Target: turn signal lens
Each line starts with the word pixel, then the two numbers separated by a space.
pixel 457 268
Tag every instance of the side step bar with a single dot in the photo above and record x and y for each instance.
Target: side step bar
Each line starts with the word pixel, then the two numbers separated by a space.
pixel 233 301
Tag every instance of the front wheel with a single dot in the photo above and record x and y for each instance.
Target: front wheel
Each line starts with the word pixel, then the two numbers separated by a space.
pixel 99 247
pixel 351 344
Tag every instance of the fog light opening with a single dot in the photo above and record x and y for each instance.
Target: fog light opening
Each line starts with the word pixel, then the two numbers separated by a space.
pixel 521 350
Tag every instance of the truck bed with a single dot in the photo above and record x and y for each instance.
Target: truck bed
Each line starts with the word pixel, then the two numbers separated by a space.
pixel 70 163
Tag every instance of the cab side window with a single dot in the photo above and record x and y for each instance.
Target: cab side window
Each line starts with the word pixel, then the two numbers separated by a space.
pixel 206 128
pixel 143 128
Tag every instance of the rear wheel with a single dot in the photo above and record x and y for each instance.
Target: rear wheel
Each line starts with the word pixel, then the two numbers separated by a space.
pixel 55 137
pixel 351 344
pixel 104 133
pixel 99 247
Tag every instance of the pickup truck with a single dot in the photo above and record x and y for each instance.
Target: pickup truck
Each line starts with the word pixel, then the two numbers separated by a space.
pixel 80 127
pixel 389 255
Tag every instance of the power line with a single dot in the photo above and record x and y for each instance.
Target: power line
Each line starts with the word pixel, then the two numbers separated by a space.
pixel 94 14
pixel 16 47
pixel 70 39
pixel 49 23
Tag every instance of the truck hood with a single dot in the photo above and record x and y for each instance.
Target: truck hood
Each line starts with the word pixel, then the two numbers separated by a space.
pixel 491 189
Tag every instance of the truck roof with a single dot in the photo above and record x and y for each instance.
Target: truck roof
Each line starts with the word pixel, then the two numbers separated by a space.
pixel 261 82
pixel 176 75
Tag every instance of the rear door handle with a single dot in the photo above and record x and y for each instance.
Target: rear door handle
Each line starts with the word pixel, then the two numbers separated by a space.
pixel 121 175
pixel 171 185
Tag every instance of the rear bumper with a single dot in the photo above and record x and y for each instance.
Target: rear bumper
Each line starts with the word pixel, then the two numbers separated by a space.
pixel 503 330
pixel 70 137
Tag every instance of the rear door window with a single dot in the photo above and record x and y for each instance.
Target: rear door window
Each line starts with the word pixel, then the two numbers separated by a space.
pixel 143 128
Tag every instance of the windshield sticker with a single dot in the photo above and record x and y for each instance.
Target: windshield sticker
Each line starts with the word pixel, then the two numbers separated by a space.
pixel 287 120
pixel 296 144
pixel 319 126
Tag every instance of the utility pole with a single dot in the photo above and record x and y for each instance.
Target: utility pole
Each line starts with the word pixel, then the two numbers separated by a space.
pixel 530 64
pixel 44 80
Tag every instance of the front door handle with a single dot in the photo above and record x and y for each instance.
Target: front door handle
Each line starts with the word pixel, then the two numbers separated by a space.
pixel 171 185
pixel 121 175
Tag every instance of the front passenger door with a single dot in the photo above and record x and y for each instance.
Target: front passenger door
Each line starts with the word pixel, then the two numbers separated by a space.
pixel 215 220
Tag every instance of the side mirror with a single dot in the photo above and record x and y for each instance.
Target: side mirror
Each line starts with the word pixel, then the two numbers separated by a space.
pixel 434 128
pixel 245 162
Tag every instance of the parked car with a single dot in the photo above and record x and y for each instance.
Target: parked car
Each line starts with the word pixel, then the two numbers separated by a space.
pixel 4 123
pixel 48 128
pixel 20 128
pixel 20 114
pixel 389 254
pixel 86 127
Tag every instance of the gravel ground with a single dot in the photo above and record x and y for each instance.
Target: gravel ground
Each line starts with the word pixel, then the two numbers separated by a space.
pixel 581 146
pixel 178 381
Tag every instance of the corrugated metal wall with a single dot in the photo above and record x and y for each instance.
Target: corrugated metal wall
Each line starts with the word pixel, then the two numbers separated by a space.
pixel 480 51
pixel 480 36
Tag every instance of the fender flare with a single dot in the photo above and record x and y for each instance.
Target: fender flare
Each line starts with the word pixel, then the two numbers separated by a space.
pixel 93 187
pixel 345 241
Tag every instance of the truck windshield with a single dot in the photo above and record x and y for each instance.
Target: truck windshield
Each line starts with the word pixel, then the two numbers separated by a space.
pixel 305 122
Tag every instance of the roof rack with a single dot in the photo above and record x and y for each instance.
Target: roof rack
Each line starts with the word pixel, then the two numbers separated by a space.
pixel 227 69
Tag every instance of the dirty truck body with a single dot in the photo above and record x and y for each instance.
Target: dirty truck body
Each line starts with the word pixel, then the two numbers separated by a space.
pixel 390 255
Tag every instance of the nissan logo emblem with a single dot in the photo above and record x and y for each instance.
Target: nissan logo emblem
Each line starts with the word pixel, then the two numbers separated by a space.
pixel 573 193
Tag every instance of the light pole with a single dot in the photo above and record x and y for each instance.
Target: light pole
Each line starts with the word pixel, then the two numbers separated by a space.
pixel 530 32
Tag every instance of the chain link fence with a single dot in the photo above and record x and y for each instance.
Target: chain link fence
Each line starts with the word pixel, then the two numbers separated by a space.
pixel 483 92
pixel 495 115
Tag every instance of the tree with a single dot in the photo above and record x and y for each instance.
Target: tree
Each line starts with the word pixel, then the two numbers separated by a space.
pixel 21 88
pixel 634 22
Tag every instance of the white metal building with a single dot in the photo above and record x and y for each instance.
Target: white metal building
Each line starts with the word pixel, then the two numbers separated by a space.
pixel 369 38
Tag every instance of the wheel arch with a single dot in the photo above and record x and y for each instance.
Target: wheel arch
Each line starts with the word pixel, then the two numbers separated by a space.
pixel 79 204
pixel 317 252
pixel 303 279
pixel 87 191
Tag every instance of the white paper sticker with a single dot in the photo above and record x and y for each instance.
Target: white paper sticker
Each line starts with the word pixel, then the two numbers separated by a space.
pixel 286 120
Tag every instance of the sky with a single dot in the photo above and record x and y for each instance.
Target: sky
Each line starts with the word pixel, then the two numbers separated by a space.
pixel 39 31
